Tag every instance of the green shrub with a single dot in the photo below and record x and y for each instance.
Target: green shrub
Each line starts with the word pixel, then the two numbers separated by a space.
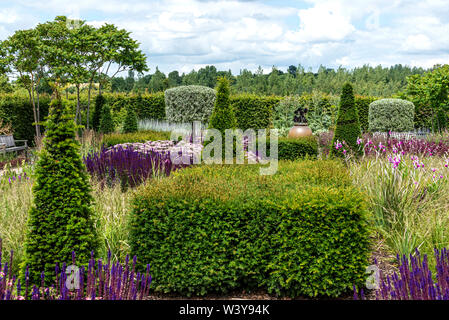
pixel 60 220
pixel 391 115
pixel 16 109
pixel 150 106
pixel 141 136
pixel 293 149
pixel 223 116
pixel 301 231
pixel 98 111
pixel 189 103
pixel 348 127
pixel 362 104
pixel 252 111
pixel 106 123
pixel 130 124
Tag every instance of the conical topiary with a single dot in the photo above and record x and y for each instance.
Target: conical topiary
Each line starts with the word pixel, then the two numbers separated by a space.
pixel 98 111
pixel 106 123
pixel 223 116
pixel 130 123
pixel 61 218
pixel 348 127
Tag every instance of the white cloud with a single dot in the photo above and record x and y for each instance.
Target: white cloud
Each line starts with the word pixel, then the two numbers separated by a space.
pixel 186 34
pixel 326 21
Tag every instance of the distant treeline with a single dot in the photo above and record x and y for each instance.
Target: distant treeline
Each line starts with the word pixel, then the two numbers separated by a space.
pixel 367 80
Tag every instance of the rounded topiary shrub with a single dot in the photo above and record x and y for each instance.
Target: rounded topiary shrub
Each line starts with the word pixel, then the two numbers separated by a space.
pixel 391 115
pixel 189 103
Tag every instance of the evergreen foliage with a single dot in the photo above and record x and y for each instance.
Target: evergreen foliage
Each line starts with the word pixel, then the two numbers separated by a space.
pixel 223 116
pixel 130 124
pixel 60 220
pixel 348 126
pixel 106 123
pixel 98 111
pixel 395 115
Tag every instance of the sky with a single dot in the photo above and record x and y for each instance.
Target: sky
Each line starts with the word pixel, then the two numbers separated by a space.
pixel 244 34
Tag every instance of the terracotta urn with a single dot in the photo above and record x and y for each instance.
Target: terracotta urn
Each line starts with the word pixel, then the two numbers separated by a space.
pixel 300 130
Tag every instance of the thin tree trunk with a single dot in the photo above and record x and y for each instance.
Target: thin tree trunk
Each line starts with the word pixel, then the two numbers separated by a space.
pixel 88 105
pixel 38 109
pixel 36 122
pixel 77 114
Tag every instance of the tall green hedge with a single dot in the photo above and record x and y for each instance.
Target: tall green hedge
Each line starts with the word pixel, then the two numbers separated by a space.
pixel 17 110
pixel 98 111
pixel 252 111
pixel 61 217
pixel 362 104
pixel 301 231
pixel 106 123
pixel 130 123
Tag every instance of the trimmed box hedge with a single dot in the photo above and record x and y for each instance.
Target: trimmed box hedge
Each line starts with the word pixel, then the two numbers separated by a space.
pixel 16 110
pixel 140 136
pixel 293 149
pixel 362 104
pixel 301 231
pixel 252 111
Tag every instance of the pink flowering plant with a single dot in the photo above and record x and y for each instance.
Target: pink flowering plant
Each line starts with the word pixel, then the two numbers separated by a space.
pixel 407 192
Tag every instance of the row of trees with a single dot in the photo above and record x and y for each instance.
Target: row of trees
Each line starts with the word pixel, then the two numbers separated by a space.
pixel 64 53
pixel 376 81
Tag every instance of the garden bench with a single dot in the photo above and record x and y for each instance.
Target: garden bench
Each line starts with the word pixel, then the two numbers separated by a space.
pixel 8 144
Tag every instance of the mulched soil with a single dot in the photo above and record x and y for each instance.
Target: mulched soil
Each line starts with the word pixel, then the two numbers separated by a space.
pixel 385 261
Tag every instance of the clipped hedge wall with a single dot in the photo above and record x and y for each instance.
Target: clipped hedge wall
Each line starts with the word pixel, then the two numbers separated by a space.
pixel 395 115
pixel 140 136
pixel 189 103
pixel 252 111
pixel 17 110
pixel 293 149
pixel 301 231
pixel 147 106
pixel 362 104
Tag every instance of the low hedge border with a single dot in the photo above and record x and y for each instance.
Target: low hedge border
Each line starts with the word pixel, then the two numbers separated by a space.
pixel 213 229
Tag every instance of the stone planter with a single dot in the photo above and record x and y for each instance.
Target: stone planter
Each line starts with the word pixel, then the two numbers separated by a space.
pixel 300 130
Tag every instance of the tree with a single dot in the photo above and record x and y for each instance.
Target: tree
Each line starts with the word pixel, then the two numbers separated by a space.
pixel 117 49
pixel 21 57
pixel 61 218
pixel 430 94
pixel 348 127
pixel 130 124
pixel 106 123
pixel 174 79
pixel 157 82
pixel 98 111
